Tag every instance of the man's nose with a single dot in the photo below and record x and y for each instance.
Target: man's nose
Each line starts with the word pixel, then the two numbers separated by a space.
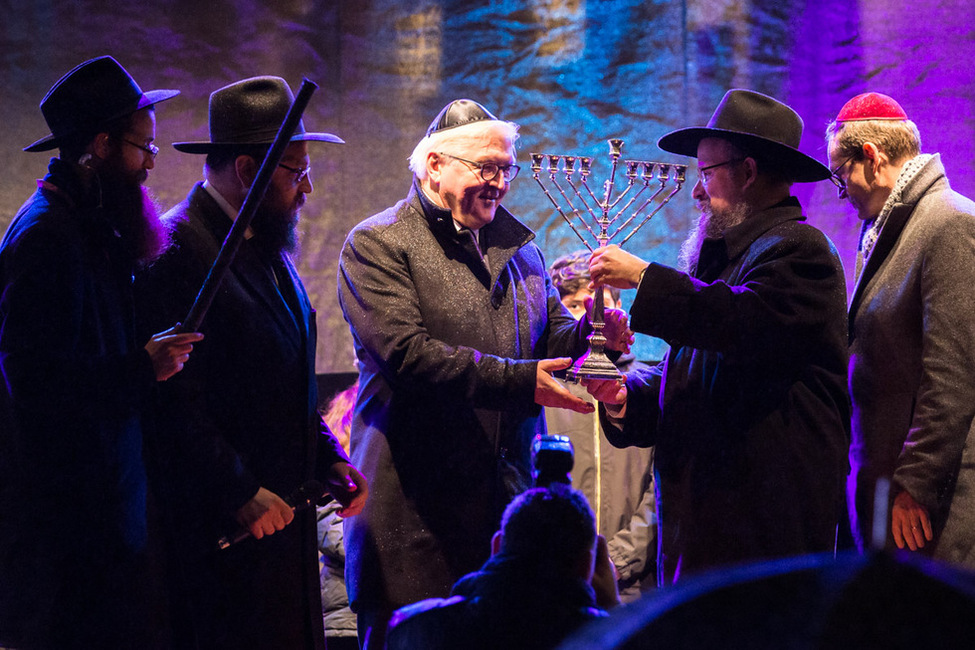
pixel 498 180
pixel 699 192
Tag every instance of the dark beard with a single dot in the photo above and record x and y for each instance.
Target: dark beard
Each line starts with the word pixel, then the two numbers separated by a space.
pixel 276 229
pixel 133 212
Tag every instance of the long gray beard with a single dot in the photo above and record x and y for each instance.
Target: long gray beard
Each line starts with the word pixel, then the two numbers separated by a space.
pixel 709 225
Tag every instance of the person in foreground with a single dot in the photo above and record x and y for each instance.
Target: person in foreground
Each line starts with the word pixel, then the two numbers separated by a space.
pixel 748 410
pixel 76 379
pixel 548 574
pixel 912 335
pixel 240 433
pixel 458 330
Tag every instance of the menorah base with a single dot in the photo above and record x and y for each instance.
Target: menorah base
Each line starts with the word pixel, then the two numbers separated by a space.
pixel 593 365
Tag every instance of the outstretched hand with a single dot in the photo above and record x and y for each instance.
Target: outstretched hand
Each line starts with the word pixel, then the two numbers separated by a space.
pixel 549 391
pixel 607 391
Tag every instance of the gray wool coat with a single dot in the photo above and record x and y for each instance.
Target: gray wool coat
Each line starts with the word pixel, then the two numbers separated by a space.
pixel 447 348
pixel 912 331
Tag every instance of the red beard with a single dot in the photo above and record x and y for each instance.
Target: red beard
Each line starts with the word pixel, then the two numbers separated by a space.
pixel 134 213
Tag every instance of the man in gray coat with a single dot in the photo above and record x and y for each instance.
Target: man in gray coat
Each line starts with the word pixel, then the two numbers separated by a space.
pixel 454 320
pixel 912 334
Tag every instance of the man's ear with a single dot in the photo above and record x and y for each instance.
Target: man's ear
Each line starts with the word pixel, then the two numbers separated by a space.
pixel 496 543
pixel 100 146
pixel 874 156
pixel 751 172
pixel 246 169
pixel 434 164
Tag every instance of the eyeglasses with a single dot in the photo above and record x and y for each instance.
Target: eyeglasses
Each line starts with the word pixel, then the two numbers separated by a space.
pixel 150 149
pixel 835 179
pixel 300 173
pixel 489 170
pixel 702 172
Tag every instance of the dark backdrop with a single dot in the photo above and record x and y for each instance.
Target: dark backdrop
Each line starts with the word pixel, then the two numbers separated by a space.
pixel 572 72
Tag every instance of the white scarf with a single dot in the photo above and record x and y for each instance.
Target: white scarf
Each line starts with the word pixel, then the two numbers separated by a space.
pixel 871 228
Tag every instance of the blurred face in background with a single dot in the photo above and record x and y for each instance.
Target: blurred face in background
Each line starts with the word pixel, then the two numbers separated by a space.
pixel 576 302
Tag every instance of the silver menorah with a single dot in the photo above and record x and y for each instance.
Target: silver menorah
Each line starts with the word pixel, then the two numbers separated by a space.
pixel 607 212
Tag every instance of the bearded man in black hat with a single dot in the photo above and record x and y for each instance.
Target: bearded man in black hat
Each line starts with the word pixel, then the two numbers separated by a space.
pixel 73 539
pixel 749 409
pixel 241 433
pixel 454 320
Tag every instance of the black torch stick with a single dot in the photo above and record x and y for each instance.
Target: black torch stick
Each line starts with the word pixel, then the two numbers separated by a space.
pixel 228 250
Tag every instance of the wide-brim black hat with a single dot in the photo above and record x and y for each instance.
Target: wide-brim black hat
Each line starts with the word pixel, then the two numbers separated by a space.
pixel 89 97
pixel 763 126
pixel 250 112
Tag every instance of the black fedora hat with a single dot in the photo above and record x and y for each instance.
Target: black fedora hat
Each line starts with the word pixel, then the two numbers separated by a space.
pixel 90 96
pixel 250 112
pixel 459 112
pixel 762 125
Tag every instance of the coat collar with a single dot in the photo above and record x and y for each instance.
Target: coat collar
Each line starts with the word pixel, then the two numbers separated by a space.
pixel 932 172
pixel 738 239
pixel 500 239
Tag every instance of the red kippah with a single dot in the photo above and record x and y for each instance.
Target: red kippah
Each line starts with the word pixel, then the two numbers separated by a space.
pixel 871 106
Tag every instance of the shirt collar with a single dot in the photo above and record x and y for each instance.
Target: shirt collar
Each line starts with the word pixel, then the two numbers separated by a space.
pixel 222 202
pixel 225 206
pixel 442 214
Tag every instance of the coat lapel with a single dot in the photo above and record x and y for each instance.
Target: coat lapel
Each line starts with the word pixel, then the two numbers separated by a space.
pixel 895 223
pixel 932 172
pixel 255 273
pixel 250 269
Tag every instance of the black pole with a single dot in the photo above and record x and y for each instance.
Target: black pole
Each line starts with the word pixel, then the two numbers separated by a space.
pixel 228 250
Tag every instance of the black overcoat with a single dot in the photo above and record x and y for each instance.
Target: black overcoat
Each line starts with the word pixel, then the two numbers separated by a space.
pixel 241 415
pixel 73 530
pixel 445 413
pixel 749 409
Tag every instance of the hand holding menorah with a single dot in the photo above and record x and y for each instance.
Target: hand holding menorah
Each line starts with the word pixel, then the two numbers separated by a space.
pixel 604 214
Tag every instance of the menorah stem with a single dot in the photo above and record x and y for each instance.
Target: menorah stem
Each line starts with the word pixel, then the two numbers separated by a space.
pixel 595 364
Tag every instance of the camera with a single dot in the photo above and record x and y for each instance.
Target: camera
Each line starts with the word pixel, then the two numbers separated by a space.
pixel 552 458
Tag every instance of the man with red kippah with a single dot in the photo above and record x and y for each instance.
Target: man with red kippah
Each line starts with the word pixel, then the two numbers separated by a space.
pixel 912 335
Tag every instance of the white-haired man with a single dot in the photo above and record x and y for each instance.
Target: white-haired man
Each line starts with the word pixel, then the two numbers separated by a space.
pixel 455 321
